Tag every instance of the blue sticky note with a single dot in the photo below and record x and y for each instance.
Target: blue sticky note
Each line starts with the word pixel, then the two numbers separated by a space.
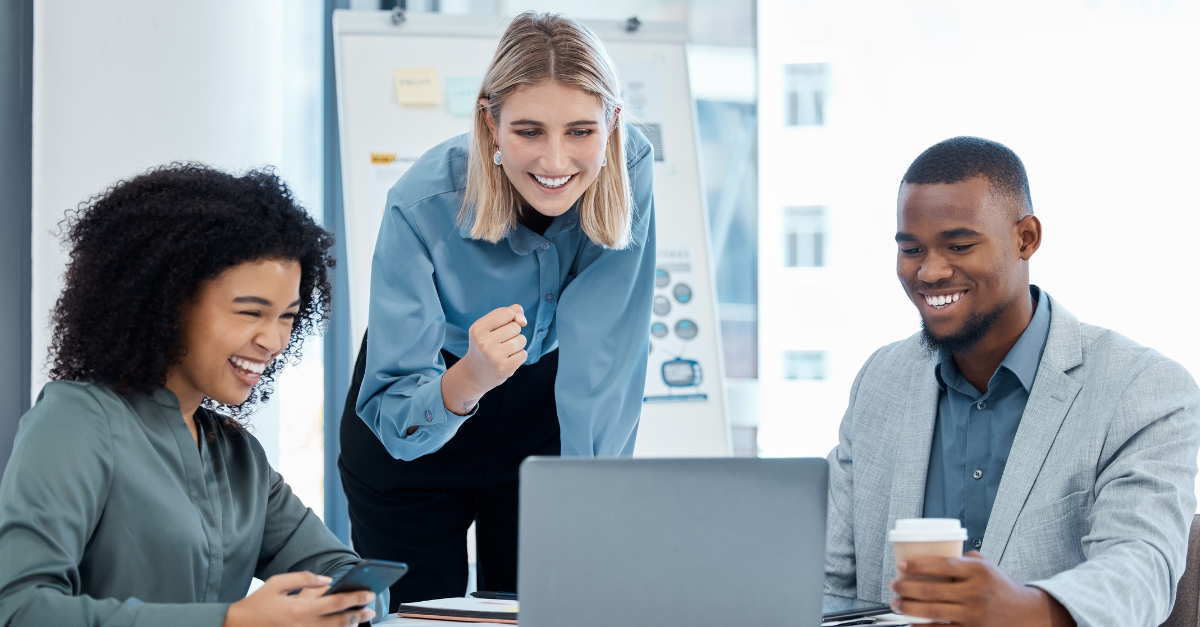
pixel 461 94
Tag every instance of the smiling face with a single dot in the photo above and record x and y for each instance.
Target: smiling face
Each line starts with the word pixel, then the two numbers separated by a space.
pixel 552 139
pixel 963 257
pixel 239 322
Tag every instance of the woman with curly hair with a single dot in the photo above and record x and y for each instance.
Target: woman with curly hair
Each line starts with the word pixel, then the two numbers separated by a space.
pixel 134 495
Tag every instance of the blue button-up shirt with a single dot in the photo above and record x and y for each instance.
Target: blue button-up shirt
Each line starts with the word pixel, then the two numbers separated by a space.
pixel 974 432
pixel 430 282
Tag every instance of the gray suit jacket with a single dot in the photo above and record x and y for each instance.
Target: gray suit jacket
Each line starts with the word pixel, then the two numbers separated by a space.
pixel 1097 496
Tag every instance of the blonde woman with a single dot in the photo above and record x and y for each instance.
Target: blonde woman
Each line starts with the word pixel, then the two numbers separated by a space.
pixel 511 291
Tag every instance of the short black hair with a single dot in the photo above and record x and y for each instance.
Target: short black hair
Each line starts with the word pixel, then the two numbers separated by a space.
pixel 960 158
pixel 146 246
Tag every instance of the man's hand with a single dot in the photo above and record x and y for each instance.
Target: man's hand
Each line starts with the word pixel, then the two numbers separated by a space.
pixel 496 350
pixel 975 593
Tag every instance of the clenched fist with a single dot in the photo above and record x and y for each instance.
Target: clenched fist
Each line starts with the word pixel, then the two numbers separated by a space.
pixel 496 350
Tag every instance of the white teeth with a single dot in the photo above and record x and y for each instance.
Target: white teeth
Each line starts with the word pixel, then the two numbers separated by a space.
pixel 939 302
pixel 552 182
pixel 246 364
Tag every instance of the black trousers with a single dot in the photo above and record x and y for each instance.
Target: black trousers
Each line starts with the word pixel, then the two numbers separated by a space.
pixel 418 512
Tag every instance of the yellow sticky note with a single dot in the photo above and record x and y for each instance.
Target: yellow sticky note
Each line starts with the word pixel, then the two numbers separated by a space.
pixel 417 86
pixel 382 158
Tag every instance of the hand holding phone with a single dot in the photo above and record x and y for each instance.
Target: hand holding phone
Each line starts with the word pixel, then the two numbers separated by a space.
pixel 373 575
pixel 273 605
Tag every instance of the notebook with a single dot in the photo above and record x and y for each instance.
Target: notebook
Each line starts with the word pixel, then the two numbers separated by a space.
pixel 466 609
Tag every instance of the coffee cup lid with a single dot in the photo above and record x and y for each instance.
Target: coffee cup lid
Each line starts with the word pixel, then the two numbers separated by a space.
pixel 927 530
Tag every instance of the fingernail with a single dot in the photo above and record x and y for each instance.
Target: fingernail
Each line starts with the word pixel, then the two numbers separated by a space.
pixel 324 579
pixel 370 597
pixel 902 567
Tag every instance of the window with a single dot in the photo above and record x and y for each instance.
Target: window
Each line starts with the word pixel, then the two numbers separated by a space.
pixel 729 142
pixel 805 92
pixel 804 237
pixel 805 365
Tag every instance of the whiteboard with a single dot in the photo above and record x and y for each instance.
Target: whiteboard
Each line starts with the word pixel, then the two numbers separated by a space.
pixel 684 411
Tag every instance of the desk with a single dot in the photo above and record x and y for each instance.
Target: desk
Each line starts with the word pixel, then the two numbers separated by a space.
pixel 396 621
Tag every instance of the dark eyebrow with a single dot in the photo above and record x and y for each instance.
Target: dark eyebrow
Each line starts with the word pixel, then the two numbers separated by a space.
pixel 957 233
pixel 905 237
pixel 258 300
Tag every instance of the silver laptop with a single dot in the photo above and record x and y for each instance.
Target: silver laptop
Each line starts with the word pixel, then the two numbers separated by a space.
pixel 658 542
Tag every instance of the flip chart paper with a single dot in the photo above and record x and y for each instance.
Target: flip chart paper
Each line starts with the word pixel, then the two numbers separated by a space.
pixel 417 86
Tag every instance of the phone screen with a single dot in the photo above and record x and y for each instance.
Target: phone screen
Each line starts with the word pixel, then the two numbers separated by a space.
pixel 841 608
pixel 373 575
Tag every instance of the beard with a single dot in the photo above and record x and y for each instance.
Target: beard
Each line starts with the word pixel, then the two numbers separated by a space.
pixel 972 332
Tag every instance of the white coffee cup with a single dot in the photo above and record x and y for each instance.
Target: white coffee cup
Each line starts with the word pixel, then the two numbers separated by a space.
pixel 927 537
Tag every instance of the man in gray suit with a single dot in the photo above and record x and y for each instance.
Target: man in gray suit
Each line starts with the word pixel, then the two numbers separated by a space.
pixel 1067 450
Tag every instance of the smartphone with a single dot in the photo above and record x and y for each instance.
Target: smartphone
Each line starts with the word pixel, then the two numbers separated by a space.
pixel 843 609
pixel 373 575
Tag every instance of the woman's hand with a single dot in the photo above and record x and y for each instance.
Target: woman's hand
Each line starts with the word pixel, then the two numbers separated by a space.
pixel 496 350
pixel 270 605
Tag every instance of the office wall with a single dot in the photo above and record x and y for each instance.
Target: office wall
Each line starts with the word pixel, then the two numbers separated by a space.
pixel 124 85
pixel 16 73
pixel 1098 97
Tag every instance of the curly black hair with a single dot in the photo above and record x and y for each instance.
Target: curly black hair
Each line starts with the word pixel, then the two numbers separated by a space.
pixel 146 246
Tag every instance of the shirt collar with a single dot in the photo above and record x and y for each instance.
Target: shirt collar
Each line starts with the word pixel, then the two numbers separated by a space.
pixel 164 397
pixel 522 239
pixel 1024 357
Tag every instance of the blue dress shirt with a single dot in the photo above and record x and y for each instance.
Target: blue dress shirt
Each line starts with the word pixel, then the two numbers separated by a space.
pixel 974 432
pixel 430 282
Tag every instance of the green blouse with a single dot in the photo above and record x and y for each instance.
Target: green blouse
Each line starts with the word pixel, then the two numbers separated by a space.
pixel 109 515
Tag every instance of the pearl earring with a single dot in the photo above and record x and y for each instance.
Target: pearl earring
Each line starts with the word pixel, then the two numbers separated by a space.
pixel 496 157
pixel 604 161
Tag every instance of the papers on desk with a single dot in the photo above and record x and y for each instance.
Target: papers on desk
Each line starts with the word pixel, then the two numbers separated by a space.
pixel 468 609
pixel 881 620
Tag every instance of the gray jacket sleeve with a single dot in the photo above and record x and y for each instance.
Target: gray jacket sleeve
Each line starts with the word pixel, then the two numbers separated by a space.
pixel 53 492
pixel 840 578
pixel 1136 542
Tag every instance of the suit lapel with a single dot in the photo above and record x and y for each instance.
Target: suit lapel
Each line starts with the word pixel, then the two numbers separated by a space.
pixel 913 439
pixel 1049 401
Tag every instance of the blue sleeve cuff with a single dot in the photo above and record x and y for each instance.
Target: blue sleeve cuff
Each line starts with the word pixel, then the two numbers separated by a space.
pixel 426 410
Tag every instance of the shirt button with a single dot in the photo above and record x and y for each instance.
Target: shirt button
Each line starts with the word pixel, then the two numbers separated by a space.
pixel 981 405
pixel 977 474
pixel 977 543
pixel 549 296
pixel 428 416
pixel 541 333
pixel 545 247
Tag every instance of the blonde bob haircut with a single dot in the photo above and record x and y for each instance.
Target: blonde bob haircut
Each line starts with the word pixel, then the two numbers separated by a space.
pixel 539 47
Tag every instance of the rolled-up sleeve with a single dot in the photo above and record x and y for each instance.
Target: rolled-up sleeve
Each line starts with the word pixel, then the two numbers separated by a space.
pixel 603 324
pixel 403 382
